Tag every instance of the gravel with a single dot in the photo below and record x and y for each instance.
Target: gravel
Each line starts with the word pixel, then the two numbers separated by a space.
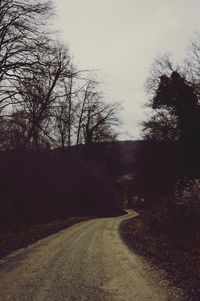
pixel 87 261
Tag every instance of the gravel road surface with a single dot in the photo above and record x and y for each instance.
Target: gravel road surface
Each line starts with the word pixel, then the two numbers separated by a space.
pixel 87 261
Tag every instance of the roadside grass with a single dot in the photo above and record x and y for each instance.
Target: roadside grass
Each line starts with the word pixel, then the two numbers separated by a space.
pixel 15 239
pixel 171 241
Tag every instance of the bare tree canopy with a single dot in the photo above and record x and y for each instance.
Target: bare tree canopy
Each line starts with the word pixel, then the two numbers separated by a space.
pixel 40 87
pixel 22 31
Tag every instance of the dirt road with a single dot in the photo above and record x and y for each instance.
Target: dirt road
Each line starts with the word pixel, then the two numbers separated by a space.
pixel 88 262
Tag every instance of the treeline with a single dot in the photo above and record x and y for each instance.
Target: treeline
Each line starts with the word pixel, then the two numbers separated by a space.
pixel 42 185
pixel 166 186
pixel 47 106
pixel 170 153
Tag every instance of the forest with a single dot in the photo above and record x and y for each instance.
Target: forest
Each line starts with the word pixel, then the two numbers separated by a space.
pixel 166 186
pixel 51 117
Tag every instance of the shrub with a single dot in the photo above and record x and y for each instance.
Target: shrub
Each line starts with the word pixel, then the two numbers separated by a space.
pixel 187 195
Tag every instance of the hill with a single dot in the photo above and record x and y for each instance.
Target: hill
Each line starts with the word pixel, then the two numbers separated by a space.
pixel 128 150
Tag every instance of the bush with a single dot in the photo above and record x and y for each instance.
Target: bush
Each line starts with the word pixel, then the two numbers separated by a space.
pixel 187 196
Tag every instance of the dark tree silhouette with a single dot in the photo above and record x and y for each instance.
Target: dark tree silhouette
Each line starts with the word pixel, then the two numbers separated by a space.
pixel 178 97
pixel 161 127
pixel 172 133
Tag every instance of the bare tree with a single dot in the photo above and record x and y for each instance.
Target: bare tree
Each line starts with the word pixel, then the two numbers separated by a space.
pixel 61 123
pixel 69 103
pixel 21 32
pixel 86 93
pixel 96 119
pixel 38 90
pixel 192 64
pixel 162 65
pixel 67 106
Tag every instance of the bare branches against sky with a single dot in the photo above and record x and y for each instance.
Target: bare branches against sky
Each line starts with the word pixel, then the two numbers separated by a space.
pixel 121 38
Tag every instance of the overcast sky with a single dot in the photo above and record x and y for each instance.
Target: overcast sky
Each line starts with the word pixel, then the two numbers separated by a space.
pixel 121 38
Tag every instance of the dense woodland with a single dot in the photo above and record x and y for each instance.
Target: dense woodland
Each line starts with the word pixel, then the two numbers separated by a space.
pixel 51 117
pixel 165 186
pixel 169 156
pixel 168 172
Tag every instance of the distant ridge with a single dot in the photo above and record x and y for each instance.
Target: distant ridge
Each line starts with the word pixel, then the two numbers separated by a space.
pixel 124 150
pixel 129 149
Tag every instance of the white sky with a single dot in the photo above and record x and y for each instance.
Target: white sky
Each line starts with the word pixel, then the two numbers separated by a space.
pixel 121 38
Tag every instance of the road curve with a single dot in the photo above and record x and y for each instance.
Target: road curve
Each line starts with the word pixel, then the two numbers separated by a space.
pixel 87 261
